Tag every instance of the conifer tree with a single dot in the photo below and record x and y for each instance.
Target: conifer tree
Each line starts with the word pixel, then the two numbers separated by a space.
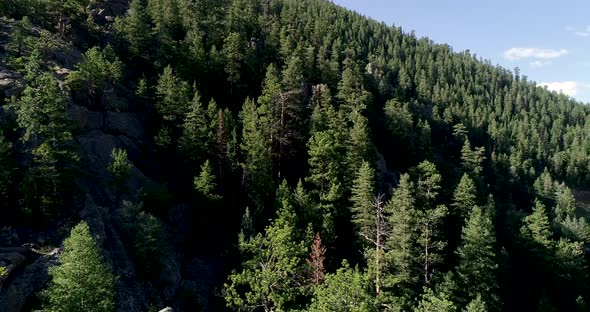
pixel 83 281
pixel 363 193
pixel 269 275
pixel 256 149
pixel 464 197
pixel 477 259
pixel 173 96
pixel 134 28
pixel 196 139
pixel 431 302
pixel 565 202
pixel 344 291
pixel 205 183
pixel 537 228
pixel 402 252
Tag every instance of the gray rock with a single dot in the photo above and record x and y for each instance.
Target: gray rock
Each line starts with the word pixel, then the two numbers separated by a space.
pixel 14 295
pixel 11 82
pixel 125 124
pixel 84 118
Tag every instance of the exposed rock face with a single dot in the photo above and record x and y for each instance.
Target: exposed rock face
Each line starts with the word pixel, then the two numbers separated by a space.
pixel 30 280
pixel 11 83
pixel 126 124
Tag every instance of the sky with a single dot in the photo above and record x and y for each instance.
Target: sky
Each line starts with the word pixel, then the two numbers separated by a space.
pixel 549 41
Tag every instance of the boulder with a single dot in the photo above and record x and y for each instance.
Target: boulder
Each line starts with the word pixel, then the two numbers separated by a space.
pixel 11 83
pixel 84 118
pixel 126 124
pixel 15 294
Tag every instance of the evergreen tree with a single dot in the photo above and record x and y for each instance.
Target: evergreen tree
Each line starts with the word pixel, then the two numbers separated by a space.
pixel 83 281
pixel 537 228
pixel 134 28
pixel 97 70
pixel 344 290
pixel 464 197
pixel 477 266
pixel 363 193
pixel 173 96
pixel 431 302
pixel 257 164
pixel 205 182
pixel 402 252
pixel 477 305
pixel 565 202
pixel 196 138
pixel 119 168
pixel 269 276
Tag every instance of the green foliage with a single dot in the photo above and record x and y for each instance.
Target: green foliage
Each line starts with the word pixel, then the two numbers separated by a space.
pixel 205 183
pixel 83 281
pixel 145 233
pixel 434 302
pixel 134 28
pixel 565 202
pixel 402 251
pixel 537 228
pixel 271 268
pixel 196 138
pixel 363 194
pixel 477 268
pixel 257 155
pixel 476 305
pixel 464 197
pixel 345 290
pixel 120 167
pixel 98 69
pixel 173 96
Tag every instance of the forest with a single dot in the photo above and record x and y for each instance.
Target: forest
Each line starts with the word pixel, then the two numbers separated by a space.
pixel 278 155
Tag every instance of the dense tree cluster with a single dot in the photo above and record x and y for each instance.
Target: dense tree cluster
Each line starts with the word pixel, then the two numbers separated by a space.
pixel 339 163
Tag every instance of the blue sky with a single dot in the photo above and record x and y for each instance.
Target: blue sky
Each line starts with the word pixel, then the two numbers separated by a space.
pixel 548 40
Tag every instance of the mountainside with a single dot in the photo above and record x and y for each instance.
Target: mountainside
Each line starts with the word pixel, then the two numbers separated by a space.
pixel 277 155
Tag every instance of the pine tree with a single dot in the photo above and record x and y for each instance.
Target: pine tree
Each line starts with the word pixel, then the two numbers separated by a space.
pixel 97 69
pixel 134 28
pixel 565 202
pixel 537 228
pixel 434 302
pixel 83 281
pixel 464 197
pixel 196 138
pixel 477 259
pixel 256 149
pixel 119 168
pixel 472 160
pixel 205 183
pixel 402 252
pixel 173 96
pixel 428 183
pixel 343 291
pixel 233 53
pixel 477 305
pixel 363 193
pixel 269 276
pixel 359 142
pixel 432 242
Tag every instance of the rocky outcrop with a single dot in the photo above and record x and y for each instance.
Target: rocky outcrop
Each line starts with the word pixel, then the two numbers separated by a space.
pixel 11 83
pixel 26 280
pixel 126 124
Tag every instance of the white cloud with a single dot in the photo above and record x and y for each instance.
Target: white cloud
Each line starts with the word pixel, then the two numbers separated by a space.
pixel 570 88
pixel 584 32
pixel 536 53
pixel 539 63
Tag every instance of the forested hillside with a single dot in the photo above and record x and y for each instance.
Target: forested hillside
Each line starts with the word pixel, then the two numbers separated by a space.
pixel 277 155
